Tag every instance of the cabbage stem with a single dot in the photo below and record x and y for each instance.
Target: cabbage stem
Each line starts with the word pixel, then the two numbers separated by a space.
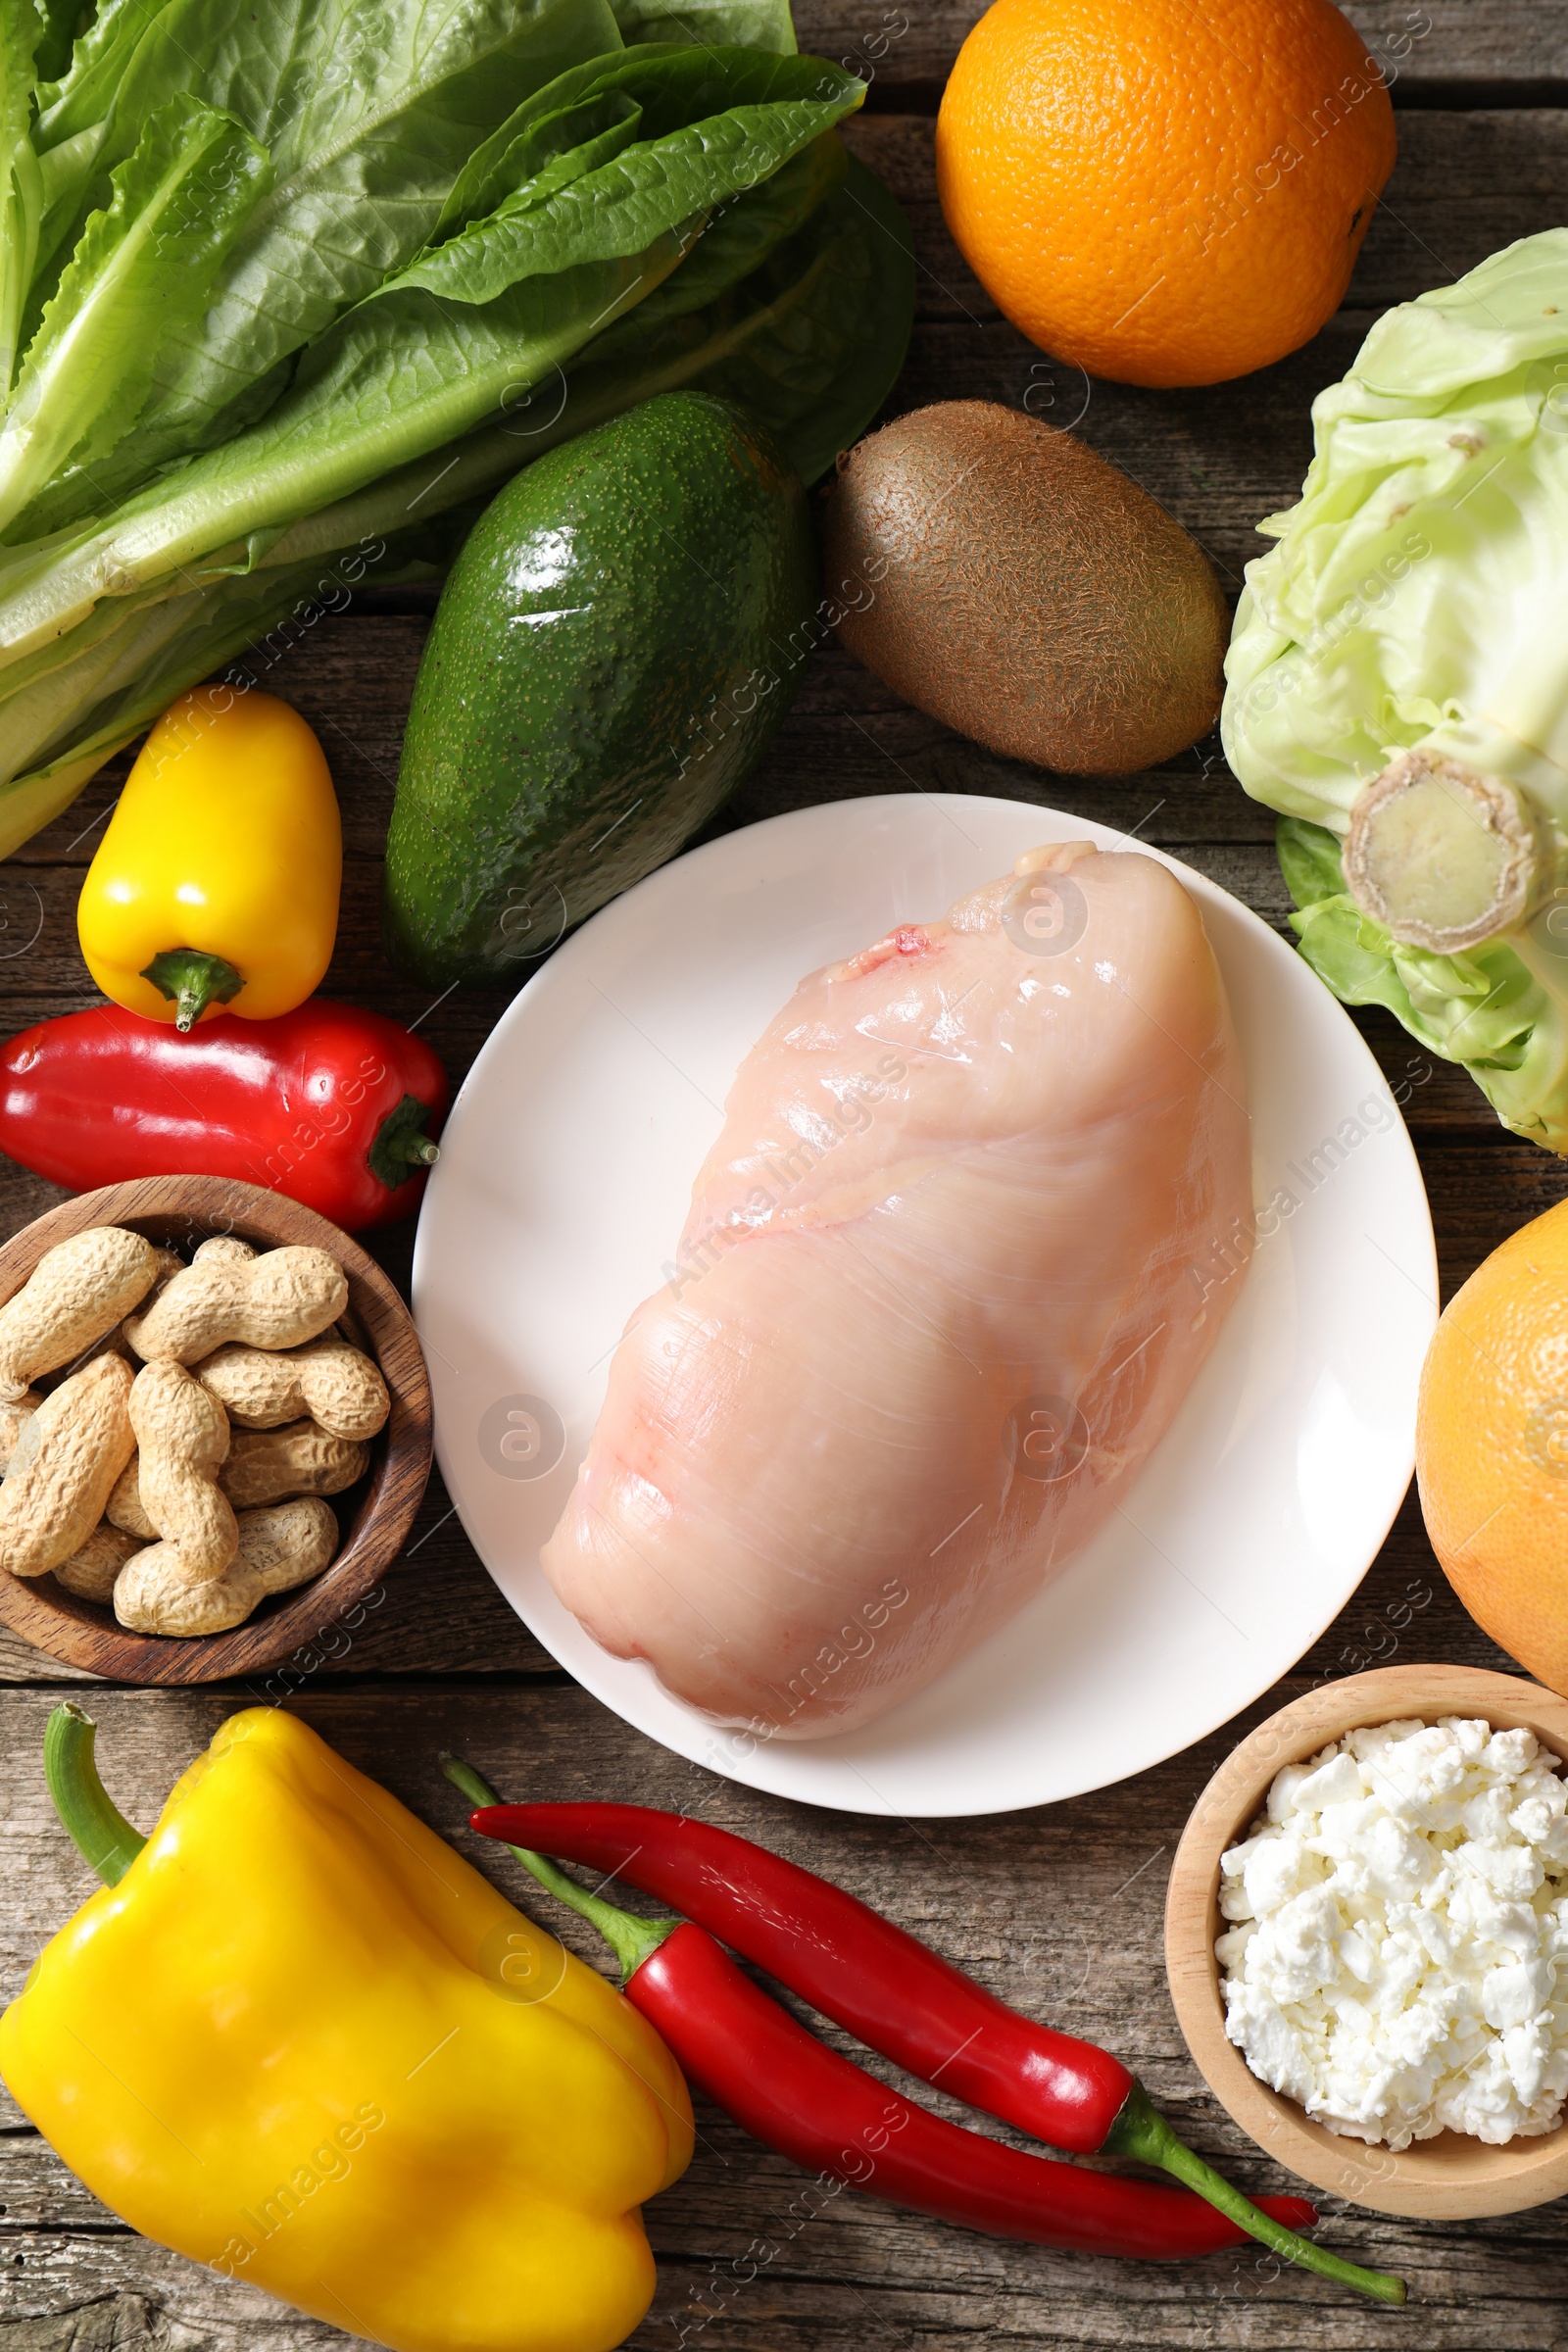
pixel 1445 856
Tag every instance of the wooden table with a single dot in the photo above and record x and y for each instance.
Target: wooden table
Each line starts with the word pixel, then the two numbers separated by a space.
pixel 1058 1909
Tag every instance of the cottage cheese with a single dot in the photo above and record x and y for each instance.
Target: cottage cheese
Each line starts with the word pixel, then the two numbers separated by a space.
pixel 1402 1932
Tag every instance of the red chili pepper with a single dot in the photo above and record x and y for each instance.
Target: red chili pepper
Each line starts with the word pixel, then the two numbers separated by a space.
pixel 826 2114
pixel 328 1103
pixel 888 1990
pixel 788 2089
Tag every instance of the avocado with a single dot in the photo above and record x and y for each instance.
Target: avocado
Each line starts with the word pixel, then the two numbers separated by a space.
pixel 619 637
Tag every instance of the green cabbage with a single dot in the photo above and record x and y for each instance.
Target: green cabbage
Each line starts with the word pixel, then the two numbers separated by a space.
pixel 1414 601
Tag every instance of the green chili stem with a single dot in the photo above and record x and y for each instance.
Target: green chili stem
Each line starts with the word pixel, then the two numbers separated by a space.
pixel 630 1937
pixel 97 1829
pixel 1140 2130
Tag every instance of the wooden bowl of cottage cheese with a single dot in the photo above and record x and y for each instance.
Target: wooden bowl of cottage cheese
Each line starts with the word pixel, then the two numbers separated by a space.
pixel 1382 1951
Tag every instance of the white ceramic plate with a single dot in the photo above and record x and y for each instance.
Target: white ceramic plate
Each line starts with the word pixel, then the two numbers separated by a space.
pixel 565 1178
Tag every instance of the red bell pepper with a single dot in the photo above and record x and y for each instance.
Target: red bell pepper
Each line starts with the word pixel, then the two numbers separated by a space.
pixel 329 1104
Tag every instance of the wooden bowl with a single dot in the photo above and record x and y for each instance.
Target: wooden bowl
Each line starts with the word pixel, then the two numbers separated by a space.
pixel 182 1210
pixel 1447 2179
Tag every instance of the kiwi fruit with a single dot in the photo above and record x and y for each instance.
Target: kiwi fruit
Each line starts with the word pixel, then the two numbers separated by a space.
pixel 1011 583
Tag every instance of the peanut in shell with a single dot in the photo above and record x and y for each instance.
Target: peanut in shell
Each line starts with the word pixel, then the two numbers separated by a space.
pixel 79 1441
pixel 328 1381
pixel 91 1572
pixel 278 1549
pixel 124 1509
pixel 181 1441
pixel 279 1300
pixel 74 1296
pixel 270 1465
pixel 14 1420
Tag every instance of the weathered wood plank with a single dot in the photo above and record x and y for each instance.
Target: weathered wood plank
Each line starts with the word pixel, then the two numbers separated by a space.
pixel 793 2305
pixel 1057 1909
pixel 37 2191
pixel 1423 45
pixel 66 2291
pixel 846 736
pixel 747 2256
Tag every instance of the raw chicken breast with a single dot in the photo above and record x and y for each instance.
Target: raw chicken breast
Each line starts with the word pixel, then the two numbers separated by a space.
pixel 979 1209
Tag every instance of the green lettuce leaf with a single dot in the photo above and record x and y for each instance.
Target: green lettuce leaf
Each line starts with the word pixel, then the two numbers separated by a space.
pixel 795 306
pixel 396 378
pixel 58 20
pixel 811 342
pixel 20 182
pixel 708 23
pixel 545 149
pixel 83 96
pixel 111 686
pixel 740 241
pixel 736 238
pixel 767 309
pixel 676 212
pixel 177 204
pixel 390 383
pixel 75 112
pixel 591 114
pixel 63 173
pixel 712 122
pixel 368 115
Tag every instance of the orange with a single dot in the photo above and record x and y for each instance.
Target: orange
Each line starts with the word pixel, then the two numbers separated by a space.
pixel 1163 191
pixel 1491 1445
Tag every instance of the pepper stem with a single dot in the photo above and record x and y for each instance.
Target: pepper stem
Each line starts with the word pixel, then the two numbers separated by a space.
pixel 400 1144
pixel 1140 2130
pixel 630 1938
pixel 97 1829
pixel 193 980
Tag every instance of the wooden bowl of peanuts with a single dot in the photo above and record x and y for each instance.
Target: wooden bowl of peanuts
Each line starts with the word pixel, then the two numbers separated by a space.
pixel 214 1422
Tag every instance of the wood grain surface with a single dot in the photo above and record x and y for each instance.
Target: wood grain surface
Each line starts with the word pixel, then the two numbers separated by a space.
pixel 1431 50
pixel 1058 1909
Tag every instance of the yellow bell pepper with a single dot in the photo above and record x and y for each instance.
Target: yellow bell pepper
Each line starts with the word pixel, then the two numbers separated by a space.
pixel 302 2041
pixel 216 886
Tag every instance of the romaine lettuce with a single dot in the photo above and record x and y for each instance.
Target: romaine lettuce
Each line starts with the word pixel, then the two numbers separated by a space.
pixel 1397 680
pixel 20 181
pixel 313 291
